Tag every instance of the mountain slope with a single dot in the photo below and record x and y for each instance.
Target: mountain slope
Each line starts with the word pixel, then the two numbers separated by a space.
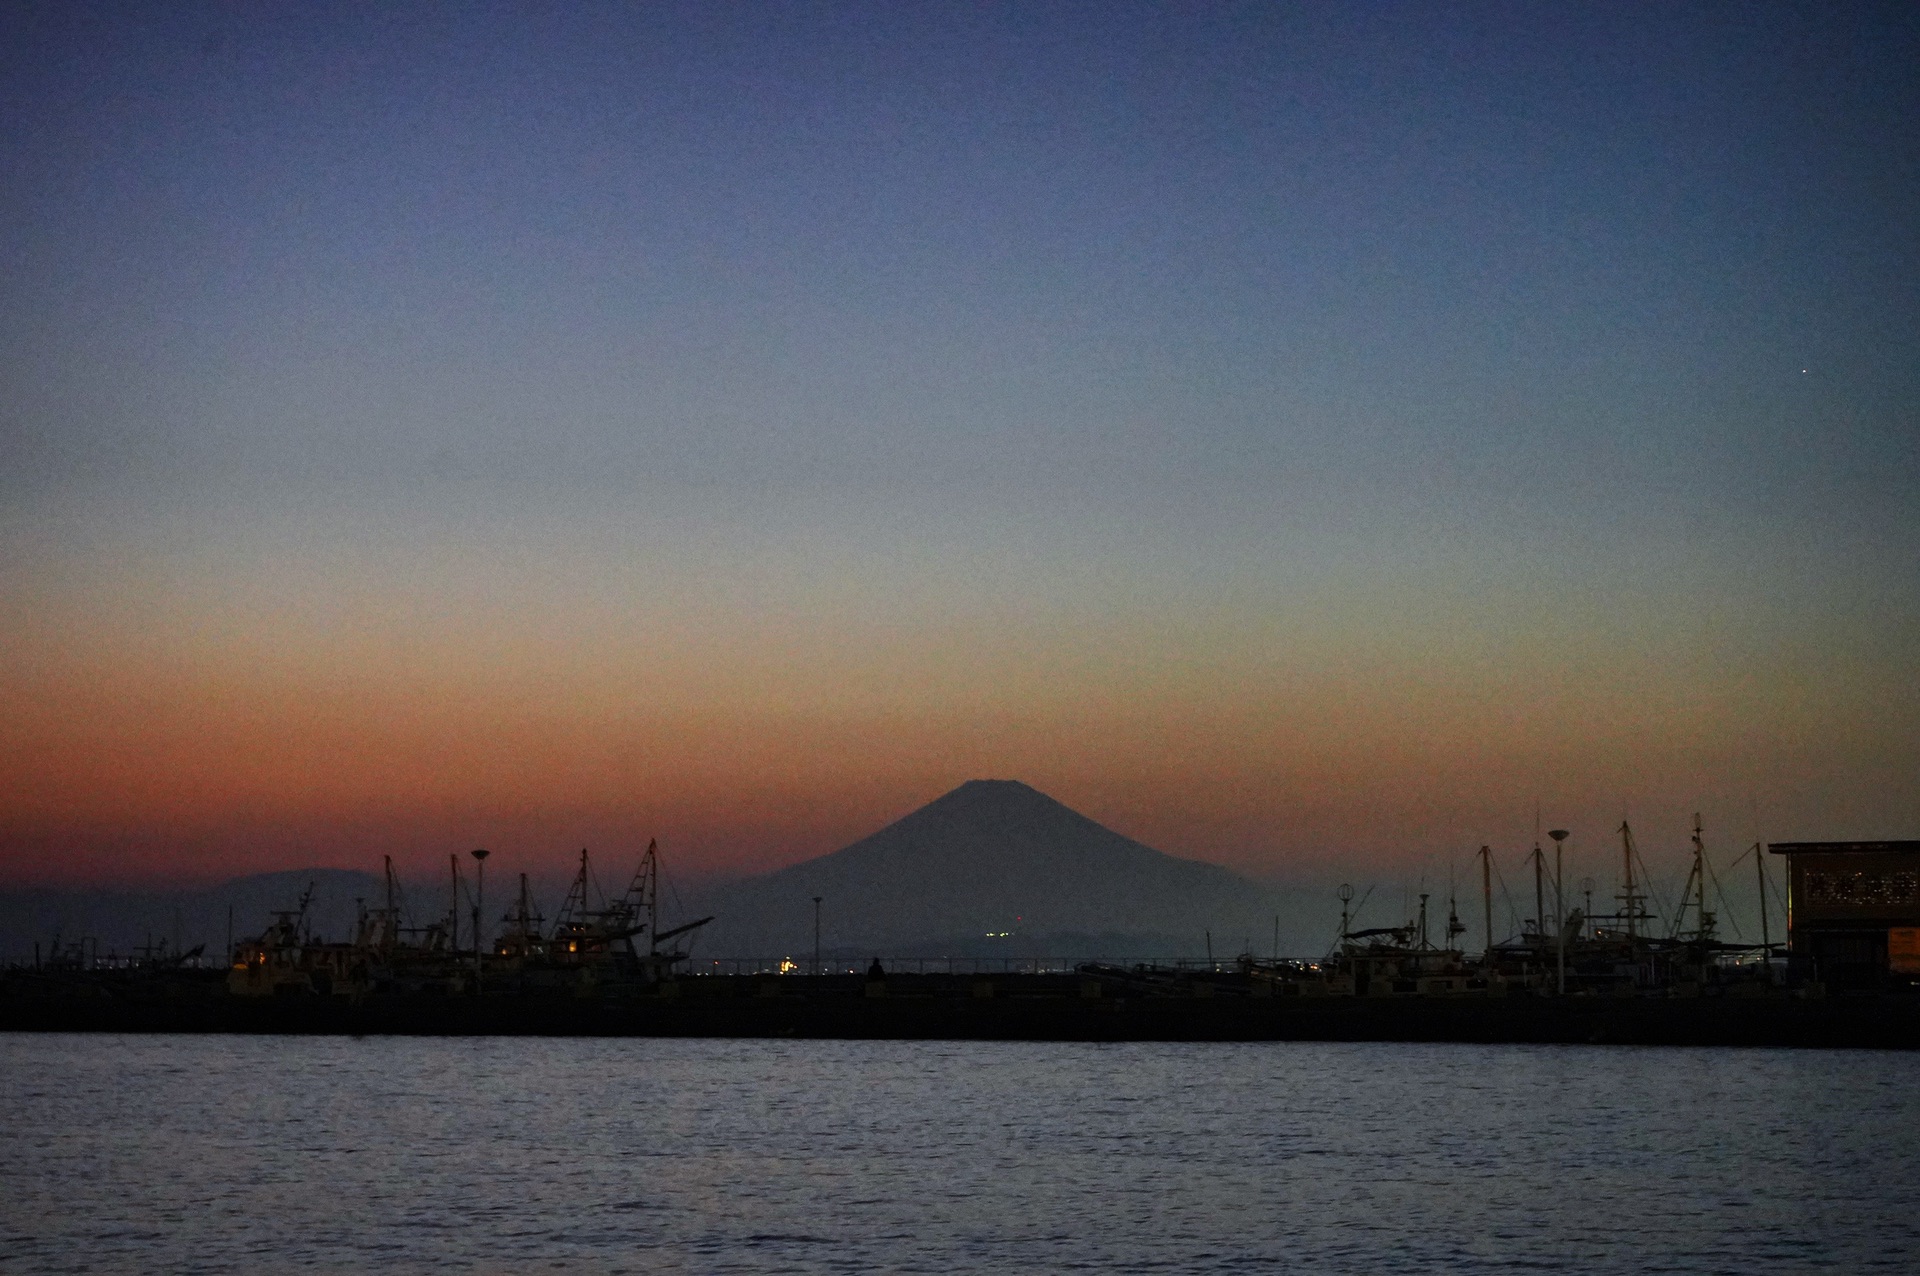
pixel 991 856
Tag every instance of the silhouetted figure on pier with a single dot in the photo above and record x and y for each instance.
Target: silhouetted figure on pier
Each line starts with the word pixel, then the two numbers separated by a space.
pixel 876 971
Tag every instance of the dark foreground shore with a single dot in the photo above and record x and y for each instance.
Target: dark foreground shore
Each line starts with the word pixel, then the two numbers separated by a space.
pixel 1014 1008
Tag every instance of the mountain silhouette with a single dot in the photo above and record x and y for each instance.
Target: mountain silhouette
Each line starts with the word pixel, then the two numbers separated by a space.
pixel 993 866
pixel 120 920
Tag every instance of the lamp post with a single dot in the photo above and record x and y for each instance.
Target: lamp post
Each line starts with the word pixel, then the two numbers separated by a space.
pixel 479 902
pixel 816 934
pixel 1559 837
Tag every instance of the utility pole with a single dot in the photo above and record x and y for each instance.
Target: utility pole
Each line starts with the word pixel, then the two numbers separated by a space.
pixel 479 902
pixel 453 903
pixel 816 934
pixel 1559 837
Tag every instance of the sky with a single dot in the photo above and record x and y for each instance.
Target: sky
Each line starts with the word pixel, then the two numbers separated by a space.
pixel 1311 438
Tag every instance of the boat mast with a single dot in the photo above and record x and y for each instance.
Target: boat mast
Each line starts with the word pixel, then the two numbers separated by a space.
pixel 390 927
pixel 652 889
pixel 1700 918
pixel 1766 942
pixel 575 908
pixel 1694 875
pixel 1539 895
pixel 1455 927
pixel 479 904
pixel 524 924
pixel 1629 901
pixel 1486 895
pixel 642 896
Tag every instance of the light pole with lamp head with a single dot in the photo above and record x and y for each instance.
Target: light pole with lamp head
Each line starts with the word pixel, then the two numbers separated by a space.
pixel 1559 837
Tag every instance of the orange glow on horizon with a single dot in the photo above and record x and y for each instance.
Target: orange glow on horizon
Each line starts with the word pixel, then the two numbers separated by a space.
pixel 132 769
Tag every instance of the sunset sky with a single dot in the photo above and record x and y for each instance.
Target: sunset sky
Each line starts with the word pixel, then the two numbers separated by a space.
pixel 1293 435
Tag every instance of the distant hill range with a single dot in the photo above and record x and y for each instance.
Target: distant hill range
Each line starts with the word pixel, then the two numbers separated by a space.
pixel 121 921
pixel 994 868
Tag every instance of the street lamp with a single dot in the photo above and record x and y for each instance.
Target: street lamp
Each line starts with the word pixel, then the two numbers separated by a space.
pixel 479 902
pixel 1559 837
pixel 816 934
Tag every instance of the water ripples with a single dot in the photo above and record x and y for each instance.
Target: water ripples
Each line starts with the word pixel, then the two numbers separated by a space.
pixel 219 1154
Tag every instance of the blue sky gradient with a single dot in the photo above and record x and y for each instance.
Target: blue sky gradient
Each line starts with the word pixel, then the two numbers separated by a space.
pixel 1082 392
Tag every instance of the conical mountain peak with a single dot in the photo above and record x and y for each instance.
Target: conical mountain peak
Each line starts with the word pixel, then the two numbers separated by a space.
pixel 992 856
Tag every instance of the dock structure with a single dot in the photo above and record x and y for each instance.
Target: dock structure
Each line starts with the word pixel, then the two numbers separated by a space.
pixel 1848 975
pixel 1853 911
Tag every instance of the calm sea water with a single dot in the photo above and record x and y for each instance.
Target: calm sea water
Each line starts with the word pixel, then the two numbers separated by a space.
pixel 237 1154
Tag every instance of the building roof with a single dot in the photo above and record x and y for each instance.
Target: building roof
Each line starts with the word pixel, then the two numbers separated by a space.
pixel 1831 848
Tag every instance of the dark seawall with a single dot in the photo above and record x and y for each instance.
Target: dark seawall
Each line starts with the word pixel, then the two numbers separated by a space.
pixel 1010 1008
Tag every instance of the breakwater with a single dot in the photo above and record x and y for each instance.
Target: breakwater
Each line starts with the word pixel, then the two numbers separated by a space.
pixel 1003 1007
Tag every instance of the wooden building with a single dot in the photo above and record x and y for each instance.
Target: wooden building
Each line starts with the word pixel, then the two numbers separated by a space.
pixel 1853 910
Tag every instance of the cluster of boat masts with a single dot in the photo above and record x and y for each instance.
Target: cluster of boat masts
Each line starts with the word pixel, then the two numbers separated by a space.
pixel 616 942
pixel 1561 948
pixel 614 939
